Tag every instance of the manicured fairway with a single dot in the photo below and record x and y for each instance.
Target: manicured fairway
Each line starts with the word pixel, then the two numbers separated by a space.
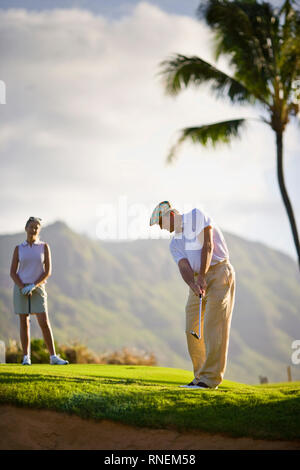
pixel 151 396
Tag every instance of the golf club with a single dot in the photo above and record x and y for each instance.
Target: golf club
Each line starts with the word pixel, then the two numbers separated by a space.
pixel 193 332
pixel 29 311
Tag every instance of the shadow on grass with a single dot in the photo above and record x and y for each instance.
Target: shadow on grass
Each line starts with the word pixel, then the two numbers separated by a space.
pixel 8 377
pixel 15 378
pixel 231 412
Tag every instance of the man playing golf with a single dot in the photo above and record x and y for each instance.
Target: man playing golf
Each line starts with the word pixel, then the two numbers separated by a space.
pixel 200 251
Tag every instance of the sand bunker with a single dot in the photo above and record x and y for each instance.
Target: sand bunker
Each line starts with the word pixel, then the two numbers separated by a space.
pixel 22 428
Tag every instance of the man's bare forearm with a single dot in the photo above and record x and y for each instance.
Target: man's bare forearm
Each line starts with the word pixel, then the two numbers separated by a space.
pixel 206 256
pixel 187 275
pixel 186 271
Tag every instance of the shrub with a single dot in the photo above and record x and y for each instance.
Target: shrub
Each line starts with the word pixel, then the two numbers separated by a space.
pixel 77 353
pixel 13 353
pixel 129 356
pixel 39 351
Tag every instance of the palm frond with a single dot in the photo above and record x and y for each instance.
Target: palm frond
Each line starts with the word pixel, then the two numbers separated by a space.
pixel 247 32
pixel 181 71
pixel 208 134
pixel 289 56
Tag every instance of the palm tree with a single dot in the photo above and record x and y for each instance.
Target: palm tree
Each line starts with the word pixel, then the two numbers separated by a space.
pixel 263 44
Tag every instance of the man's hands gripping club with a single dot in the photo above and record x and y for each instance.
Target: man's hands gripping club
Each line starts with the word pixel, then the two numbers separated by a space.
pixel 198 286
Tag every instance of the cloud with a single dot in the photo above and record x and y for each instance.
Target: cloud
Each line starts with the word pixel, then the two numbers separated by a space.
pixel 87 121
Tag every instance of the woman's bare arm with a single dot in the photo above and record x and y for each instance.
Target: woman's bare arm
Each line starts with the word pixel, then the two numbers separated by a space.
pixel 48 266
pixel 14 268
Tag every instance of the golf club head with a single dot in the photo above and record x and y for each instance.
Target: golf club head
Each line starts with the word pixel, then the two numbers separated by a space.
pixel 193 332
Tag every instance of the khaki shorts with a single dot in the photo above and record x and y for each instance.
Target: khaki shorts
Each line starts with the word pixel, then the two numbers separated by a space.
pixel 38 299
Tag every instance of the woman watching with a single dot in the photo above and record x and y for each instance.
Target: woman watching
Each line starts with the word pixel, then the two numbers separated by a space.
pixel 30 268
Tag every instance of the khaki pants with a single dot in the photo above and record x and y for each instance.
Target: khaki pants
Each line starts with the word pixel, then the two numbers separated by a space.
pixel 209 354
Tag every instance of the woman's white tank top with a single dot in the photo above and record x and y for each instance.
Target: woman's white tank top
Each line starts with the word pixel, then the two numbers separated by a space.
pixel 31 261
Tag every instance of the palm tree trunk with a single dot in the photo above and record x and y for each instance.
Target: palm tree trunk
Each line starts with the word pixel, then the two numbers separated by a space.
pixel 288 206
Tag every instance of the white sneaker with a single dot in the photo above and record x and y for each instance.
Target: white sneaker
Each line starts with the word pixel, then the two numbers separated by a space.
pixel 56 360
pixel 26 361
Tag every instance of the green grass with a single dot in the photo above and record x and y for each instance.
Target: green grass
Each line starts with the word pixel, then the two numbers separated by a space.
pixel 150 396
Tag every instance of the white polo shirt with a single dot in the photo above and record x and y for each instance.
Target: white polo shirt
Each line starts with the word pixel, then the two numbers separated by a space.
pixel 186 244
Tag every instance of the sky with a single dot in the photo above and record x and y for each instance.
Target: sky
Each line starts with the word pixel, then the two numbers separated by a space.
pixel 86 126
